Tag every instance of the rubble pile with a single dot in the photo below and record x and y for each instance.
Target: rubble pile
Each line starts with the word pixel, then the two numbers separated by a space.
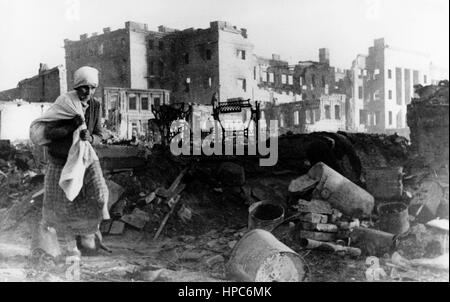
pixel 159 196
pixel 20 174
pixel 320 225
pixel 379 150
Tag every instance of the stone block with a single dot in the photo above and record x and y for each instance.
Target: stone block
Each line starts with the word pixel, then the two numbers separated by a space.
pixel 136 219
pixel 314 206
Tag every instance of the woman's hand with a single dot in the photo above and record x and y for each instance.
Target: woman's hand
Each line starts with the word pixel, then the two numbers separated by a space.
pixel 85 135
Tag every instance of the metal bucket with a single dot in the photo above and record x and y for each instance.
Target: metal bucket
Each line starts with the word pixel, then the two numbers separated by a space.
pixel 340 192
pixel 260 257
pixel 264 215
pixel 393 217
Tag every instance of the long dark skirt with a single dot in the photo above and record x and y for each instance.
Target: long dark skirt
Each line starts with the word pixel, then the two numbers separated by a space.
pixel 80 216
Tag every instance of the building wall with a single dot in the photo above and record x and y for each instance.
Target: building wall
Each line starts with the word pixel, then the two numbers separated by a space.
pixel 305 80
pixel 235 68
pixel 10 94
pixel 387 76
pixel 309 116
pixel 44 87
pixel 187 64
pixel 108 52
pixel 414 68
pixel 331 110
pixel 138 58
pixel 124 110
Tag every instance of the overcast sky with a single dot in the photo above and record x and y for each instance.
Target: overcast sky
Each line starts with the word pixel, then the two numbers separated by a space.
pixel 32 31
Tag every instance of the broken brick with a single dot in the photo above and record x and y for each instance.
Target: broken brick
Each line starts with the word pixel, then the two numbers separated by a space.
pixel 314 218
pixel 117 228
pixel 232 244
pixel 321 227
pixel 314 206
pixel 137 219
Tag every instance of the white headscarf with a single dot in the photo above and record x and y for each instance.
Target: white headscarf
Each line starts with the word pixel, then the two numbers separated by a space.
pixel 85 76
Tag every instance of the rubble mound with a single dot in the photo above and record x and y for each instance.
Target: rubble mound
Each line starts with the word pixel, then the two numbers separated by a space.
pixel 428 120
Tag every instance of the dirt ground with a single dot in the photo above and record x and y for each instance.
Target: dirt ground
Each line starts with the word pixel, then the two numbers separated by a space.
pixel 183 251
pixel 177 259
pixel 195 250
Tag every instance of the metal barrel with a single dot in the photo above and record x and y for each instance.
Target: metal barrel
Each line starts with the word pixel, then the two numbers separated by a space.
pixel 394 217
pixel 340 192
pixel 260 257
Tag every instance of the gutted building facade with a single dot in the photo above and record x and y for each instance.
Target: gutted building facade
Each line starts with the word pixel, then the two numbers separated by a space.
pixel 383 85
pixel 326 114
pixel 44 87
pixel 127 111
pixel 192 63
pixel 119 55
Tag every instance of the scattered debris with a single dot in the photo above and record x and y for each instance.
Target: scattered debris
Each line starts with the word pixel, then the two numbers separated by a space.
pixel 330 247
pixel 185 213
pixel 440 262
pixel 425 203
pixel 214 260
pixel 232 244
pixel 163 223
pixel 314 206
pixel 302 185
pixel 373 242
pixel 320 227
pixel 314 218
pixel 136 219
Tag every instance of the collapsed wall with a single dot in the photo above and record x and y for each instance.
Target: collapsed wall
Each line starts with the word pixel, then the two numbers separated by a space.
pixel 428 120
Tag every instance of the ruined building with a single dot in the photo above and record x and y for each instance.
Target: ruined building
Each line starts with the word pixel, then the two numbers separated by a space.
pixel 121 58
pixel 308 96
pixel 185 62
pixel 382 87
pixel 44 87
pixel 195 63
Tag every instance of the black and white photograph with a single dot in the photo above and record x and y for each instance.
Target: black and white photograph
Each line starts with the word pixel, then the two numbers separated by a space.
pixel 223 142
